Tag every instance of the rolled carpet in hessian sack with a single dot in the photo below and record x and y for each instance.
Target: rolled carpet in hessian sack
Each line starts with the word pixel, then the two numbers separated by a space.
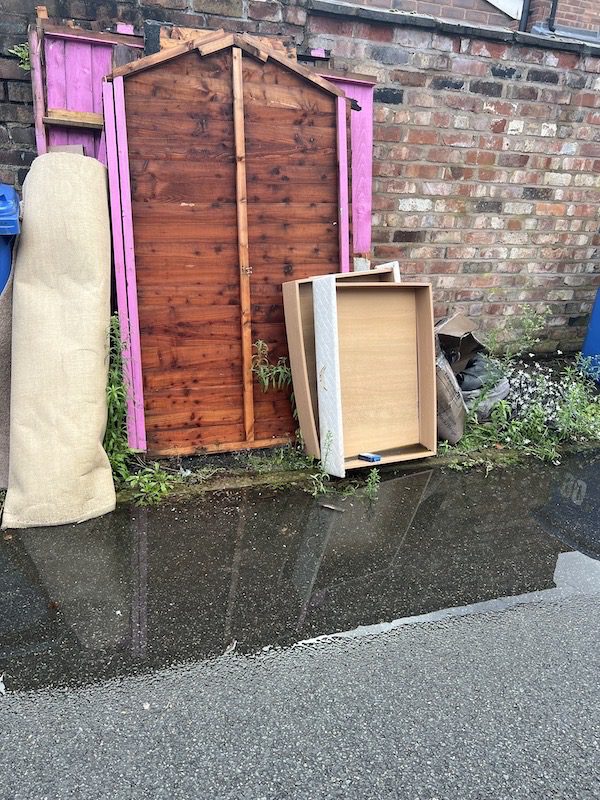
pixel 5 344
pixel 58 470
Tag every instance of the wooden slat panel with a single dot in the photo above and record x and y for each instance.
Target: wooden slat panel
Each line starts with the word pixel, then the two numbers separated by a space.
pixel 196 281
pixel 291 118
pixel 56 85
pixel 101 66
pixel 269 190
pixel 156 180
pixel 262 253
pixel 190 98
pixel 228 378
pixel 204 396
pixel 272 138
pixel 166 441
pixel 268 85
pixel 188 319
pixel 78 66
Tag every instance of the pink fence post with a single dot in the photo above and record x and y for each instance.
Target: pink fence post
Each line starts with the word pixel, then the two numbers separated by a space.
pixel 129 252
pixel 361 126
pixel 119 252
pixel 342 147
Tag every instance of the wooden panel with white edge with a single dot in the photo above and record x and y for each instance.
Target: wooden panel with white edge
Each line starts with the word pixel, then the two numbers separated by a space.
pixel 300 331
pixel 379 357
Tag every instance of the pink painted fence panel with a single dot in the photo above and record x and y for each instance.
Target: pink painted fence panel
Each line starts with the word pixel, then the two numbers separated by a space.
pixel 361 129
pixel 74 72
pixel 130 275
pixel 116 219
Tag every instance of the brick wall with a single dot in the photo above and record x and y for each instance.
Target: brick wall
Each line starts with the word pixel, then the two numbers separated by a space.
pixel 487 169
pixel 582 14
pixel 486 157
pixel 17 141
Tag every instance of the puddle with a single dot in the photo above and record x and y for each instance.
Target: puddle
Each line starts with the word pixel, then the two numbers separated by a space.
pixel 144 588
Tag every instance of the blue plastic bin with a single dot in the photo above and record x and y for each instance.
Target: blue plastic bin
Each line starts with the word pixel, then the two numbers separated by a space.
pixel 9 227
pixel 591 346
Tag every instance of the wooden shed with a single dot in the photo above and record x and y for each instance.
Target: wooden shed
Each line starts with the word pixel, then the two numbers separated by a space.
pixel 228 175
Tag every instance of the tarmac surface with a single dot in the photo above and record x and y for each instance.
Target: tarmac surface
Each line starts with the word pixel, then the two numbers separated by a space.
pixel 439 643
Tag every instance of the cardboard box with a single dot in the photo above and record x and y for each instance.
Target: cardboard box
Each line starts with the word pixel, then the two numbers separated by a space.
pixel 300 329
pixel 458 340
pixel 375 367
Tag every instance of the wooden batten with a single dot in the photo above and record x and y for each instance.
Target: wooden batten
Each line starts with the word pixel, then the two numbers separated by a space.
pixel 74 119
pixel 37 83
pixel 241 201
pixel 72 32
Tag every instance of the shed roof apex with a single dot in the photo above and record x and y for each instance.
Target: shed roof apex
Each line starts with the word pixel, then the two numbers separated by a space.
pixel 221 41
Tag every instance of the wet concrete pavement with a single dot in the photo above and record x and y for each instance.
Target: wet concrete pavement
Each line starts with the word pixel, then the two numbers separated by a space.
pixel 187 651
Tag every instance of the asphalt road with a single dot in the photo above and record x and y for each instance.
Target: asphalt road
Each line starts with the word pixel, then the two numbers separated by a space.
pixel 494 705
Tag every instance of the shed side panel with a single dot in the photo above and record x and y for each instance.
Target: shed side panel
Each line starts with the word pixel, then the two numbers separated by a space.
pixel 292 176
pixel 181 150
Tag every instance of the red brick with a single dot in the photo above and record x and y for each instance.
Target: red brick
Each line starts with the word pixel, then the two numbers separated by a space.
pixel 551 209
pixel 465 139
pixel 225 8
pixel 374 32
pixel 390 134
pixel 264 10
pixel 481 157
pixel 496 50
pixel 422 137
pixel 467 66
pixel 406 78
pixel 10 70
pixel 441 119
pixel 294 15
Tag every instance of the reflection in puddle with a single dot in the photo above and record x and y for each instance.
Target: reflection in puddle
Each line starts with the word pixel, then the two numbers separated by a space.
pixel 140 589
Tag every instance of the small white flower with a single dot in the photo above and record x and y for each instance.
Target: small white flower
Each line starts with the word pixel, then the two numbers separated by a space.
pixel 559 352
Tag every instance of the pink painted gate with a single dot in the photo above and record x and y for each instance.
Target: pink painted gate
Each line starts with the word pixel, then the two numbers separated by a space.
pixel 74 73
pixel 68 67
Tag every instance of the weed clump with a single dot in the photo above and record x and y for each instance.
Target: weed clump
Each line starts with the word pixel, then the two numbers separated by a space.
pixel 546 407
pixel 149 482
